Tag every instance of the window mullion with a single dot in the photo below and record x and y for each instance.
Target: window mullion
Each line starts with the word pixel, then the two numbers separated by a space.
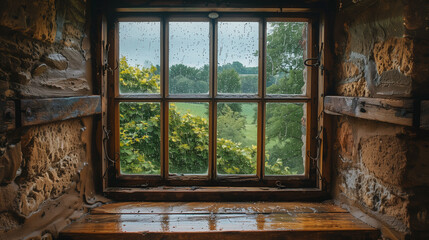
pixel 212 94
pixel 261 105
pixel 164 92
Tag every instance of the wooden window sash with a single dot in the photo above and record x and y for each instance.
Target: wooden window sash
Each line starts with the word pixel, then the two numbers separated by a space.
pixel 261 98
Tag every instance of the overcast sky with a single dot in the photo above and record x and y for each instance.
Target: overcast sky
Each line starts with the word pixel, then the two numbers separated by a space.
pixel 189 43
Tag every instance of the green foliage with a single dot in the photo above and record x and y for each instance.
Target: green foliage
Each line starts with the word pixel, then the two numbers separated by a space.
pixel 249 83
pixel 231 124
pixel 285 76
pixel 292 83
pixel 239 68
pixel 284 127
pixel 137 80
pixel 185 79
pixel 284 47
pixel 188 146
pixel 228 81
pixel 140 135
pixel 235 159
pixel 188 134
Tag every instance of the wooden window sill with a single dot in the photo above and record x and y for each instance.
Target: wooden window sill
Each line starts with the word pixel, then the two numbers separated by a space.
pixel 166 193
pixel 219 220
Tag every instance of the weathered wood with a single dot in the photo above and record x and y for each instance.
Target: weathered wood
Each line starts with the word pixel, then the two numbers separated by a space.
pixel 215 194
pixel 424 115
pixel 296 5
pixel 216 207
pixel 220 221
pixel 379 109
pixel 40 111
pixel 324 121
pixel 7 116
pixel 228 235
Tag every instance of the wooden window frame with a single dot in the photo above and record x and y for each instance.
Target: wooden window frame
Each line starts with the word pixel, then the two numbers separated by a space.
pixel 114 182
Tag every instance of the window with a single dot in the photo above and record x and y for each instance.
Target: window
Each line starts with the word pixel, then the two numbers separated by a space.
pixel 206 101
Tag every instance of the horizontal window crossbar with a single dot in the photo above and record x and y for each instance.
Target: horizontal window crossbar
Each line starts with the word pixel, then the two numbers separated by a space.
pixel 143 98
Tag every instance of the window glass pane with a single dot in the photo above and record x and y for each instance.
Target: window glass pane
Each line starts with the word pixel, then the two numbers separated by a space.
pixel 189 45
pixel 237 57
pixel 139 51
pixel 236 138
pixel 286 52
pixel 285 138
pixel 139 132
pixel 188 143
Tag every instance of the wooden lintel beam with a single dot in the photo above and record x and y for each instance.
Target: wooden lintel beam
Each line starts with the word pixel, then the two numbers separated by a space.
pixel 218 4
pixel 397 111
pixel 41 111
pixel 7 116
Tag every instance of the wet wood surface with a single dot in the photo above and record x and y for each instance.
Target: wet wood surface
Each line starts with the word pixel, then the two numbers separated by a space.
pixel 216 208
pixel 397 111
pixel 206 220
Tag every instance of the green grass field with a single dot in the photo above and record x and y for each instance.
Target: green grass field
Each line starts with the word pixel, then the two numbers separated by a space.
pixel 196 109
pixel 248 111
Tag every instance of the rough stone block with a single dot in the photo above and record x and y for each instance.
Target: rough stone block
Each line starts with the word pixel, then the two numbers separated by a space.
pixel 23 77
pixel 394 54
pixel 39 70
pixel 10 163
pixel 387 202
pixel 353 89
pixel 350 69
pixel 371 23
pixel 386 158
pixel 345 139
pixel 8 221
pixel 74 84
pixel 393 83
pixel 53 155
pixel 56 60
pixel 33 18
pixel 8 195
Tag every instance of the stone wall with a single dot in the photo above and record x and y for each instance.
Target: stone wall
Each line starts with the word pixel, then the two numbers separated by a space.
pixel 46 177
pixel 381 50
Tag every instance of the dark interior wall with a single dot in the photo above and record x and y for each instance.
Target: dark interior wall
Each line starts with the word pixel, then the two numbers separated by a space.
pixel 381 50
pixel 46 172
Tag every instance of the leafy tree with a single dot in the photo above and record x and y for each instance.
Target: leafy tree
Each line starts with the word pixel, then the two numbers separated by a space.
pixel 140 136
pixel 228 81
pixel 249 84
pixel 186 79
pixel 292 83
pixel 284 47
pixel 230 124
pixel 238 67
pixel 285 73
pixel 284 127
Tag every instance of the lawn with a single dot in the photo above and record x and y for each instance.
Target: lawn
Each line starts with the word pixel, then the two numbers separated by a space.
pixel 196 109
pixel 248 111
